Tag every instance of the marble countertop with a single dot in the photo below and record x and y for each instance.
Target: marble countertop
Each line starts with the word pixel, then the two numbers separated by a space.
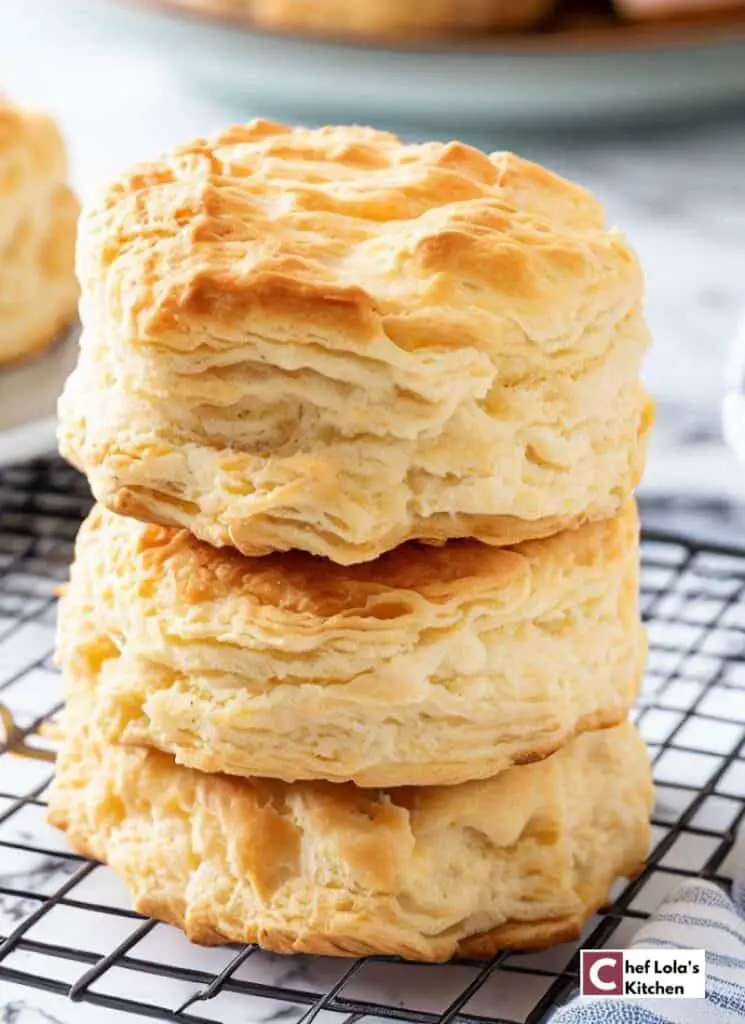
pixel 678 190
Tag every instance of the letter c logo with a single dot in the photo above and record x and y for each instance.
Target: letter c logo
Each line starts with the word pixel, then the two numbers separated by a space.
pixel 595 976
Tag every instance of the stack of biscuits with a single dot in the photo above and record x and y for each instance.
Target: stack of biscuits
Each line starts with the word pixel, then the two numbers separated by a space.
pixel 352 635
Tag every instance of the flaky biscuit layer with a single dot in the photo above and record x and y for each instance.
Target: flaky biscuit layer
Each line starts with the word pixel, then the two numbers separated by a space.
pixel 38 215
pixel 423 873
pixel 430 665
pixel 334 342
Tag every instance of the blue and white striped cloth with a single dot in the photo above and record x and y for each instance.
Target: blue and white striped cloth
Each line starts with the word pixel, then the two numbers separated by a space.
pixel 697 915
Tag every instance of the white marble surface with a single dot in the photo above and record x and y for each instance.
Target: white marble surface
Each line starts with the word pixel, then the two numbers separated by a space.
pixel 678 190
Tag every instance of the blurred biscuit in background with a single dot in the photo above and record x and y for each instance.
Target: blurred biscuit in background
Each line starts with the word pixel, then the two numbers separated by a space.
pixel 383 19
pixel 38 217
pixel 651 9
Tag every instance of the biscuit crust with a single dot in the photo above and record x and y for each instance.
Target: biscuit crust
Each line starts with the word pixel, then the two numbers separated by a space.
pixel 519 860
pixel 335 342
pixel 38 216
pixel 428 666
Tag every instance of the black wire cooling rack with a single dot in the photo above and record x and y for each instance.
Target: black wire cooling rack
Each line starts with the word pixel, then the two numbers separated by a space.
pixel 65 922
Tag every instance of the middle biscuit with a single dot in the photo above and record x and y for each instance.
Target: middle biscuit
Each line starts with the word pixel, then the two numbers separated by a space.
pixel 428 666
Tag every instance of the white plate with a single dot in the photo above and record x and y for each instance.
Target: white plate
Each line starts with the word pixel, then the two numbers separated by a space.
pixel 528 79
pixel 28 401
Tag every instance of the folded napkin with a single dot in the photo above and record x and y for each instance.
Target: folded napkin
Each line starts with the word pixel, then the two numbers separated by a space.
pixel 696 915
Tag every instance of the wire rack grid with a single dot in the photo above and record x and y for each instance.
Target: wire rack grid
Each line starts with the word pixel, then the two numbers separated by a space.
pixel 65 922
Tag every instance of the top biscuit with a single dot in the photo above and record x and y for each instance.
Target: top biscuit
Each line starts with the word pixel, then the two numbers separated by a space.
pixel 333 341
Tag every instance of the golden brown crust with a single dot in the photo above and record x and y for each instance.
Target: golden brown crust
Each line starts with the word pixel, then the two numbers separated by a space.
pixel 378 19
pixel 38 215
pixel 298 583
pixel 335 342
pixel 429 665
pixel 522 859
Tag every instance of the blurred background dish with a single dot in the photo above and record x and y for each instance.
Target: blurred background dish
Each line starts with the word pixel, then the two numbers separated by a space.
pixel 28 401
pixel 585 65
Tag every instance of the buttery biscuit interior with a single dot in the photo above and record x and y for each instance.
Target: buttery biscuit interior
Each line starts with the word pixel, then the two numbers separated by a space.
pixel 427 666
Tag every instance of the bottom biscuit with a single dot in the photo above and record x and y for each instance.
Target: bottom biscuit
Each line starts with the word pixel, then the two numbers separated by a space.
pixel 518 860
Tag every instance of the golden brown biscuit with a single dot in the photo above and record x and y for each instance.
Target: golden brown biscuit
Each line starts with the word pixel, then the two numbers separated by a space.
pixel 430 665
pixel 38 215
pixel 331 341
pixel 424 873
pixel 380 19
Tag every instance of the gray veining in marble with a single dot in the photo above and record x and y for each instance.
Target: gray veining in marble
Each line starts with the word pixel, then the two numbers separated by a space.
pixel 20 1012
